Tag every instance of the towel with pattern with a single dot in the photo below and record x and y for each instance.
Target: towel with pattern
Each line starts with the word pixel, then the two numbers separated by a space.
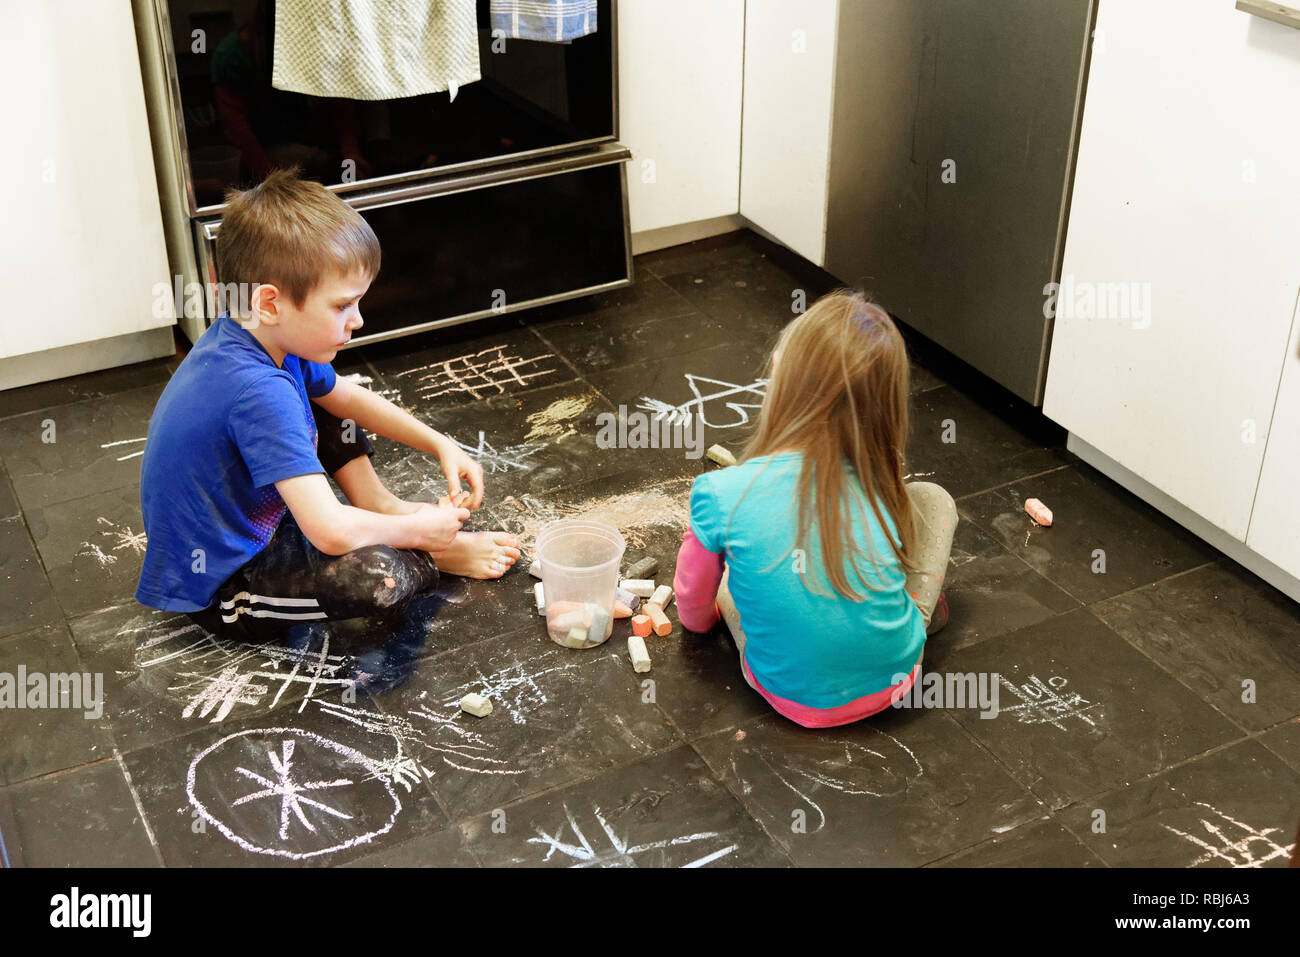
pixel 556 21
pixel 375 49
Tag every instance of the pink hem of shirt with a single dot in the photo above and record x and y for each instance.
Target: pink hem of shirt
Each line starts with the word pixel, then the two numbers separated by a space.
pixel 843 714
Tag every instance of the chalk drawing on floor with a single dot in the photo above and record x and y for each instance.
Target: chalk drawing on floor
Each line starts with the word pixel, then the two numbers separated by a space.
pixel 707 404
pixel 118 538
pixel 1228 841
pixel 513 688
pixel 616 851
pixel 366 381
pixel 129 455
pixel 1043 703
pixel 500 460
pixel 883 767
pixel 315 784
pixel 490 371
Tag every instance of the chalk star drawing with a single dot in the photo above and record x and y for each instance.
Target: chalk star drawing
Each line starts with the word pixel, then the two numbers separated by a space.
pixel 1238 852
pixel 849 767
pixel 1040 704
pixel 511 457
pixel 488 372
pixel 619 853
pixel 129 455
pixel 296 749
pixel 120 537
pixel 681 414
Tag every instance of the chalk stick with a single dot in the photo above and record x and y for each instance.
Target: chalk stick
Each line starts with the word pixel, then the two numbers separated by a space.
pixel 540 595
pixel 662 597
pixel 601 623
pixel 627 598
pixel 535 569
pixel 476 704
pixel 1040 513
pixel 658 619
pixel 621 610
pixel 645 568
pixel 636 651
pixel 577 636
pixel 720 455
pixel 566 620
pixel 641 625
pixel 642 587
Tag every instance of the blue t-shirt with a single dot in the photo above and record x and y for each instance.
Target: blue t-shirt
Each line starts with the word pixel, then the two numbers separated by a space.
pixel 229 425
pixel 821 651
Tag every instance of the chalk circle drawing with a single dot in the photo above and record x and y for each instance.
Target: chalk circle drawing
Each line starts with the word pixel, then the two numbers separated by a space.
pixel 1043 702
pixel 1235 843
pixel 310 777
pixel 119 538
pixel 881 767
pixel 618 852
pixel 491 371
pixel 706 405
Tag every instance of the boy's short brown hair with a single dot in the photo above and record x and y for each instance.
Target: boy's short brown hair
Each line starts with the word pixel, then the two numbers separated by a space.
pixel 291 232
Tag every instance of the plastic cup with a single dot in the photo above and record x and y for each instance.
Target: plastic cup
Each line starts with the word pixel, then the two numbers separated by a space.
pixel 580 561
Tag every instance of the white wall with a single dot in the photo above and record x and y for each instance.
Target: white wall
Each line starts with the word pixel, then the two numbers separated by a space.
pixel 679 75
pixel 1187 101
pixel 82 245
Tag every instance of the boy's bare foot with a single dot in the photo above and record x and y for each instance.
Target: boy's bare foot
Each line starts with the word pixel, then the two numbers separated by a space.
pixel 479 554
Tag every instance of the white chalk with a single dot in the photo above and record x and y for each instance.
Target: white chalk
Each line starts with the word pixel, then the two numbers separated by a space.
pixel 577 636
pixel 662 597
pixel 535 569
pixel 721 455
pixel 476 704
pixel 640 657
pixel 601 623
pixel 641 587
pixel 540 595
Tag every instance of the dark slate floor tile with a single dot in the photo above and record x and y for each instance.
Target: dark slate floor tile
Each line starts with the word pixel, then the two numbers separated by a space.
pixel 664 811
pixel 1284 741
pixel 559 716
pixel 92 548
pixel 467 365
pixel 898 789
pixel 445 848
pixel 527 444
pixel 318 788
pixel 98 445
pixel 958 444
pixel 38 740
pixel 95 385
pixel 165 677
pixel 738 246
pixel 1216 628
pixel 1237 807
pixel 8 501
pixel 991 592
pixel 1089 513
pixel 82 818
pixel 28 600
pixel 1079 710
pixel 757 296
pixel 1037 844
pixel 651 322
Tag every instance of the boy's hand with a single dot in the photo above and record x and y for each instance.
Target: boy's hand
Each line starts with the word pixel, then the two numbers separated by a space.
pixel 455 465
pixel 436 525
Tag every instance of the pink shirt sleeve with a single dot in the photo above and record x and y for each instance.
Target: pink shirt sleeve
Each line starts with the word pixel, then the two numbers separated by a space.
pixel 695 584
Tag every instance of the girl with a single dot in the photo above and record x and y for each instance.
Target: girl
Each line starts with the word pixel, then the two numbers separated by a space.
pixel 814 542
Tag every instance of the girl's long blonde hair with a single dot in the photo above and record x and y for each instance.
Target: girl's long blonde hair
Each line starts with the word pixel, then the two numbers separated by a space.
pixel 837 391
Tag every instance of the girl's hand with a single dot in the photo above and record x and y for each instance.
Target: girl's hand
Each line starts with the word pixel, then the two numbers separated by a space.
pixel 456 464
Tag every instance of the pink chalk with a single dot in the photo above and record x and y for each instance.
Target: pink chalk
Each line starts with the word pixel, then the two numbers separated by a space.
pixel 1040 513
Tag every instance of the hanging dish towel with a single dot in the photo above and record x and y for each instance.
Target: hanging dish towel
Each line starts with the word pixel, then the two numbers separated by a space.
pixel 557 21
pixel 375 49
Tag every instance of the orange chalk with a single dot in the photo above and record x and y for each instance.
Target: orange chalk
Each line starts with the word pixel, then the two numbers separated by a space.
pixel 641 625
pixel 1040 513
pixel 660 621
pixel 621 610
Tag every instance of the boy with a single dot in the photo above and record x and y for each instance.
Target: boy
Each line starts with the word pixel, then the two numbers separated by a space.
pixel 244 531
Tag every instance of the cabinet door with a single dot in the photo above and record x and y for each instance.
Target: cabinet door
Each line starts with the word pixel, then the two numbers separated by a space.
pixel 679 108
pixel 785 145
pixel 1275 519
pixel 1187 192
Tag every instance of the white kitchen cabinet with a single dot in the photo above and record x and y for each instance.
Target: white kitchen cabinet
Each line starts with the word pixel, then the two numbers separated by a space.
pixel 790 48
pixel 679 74
pixel 83 244
pixel 1275 520
pixel 1188 187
